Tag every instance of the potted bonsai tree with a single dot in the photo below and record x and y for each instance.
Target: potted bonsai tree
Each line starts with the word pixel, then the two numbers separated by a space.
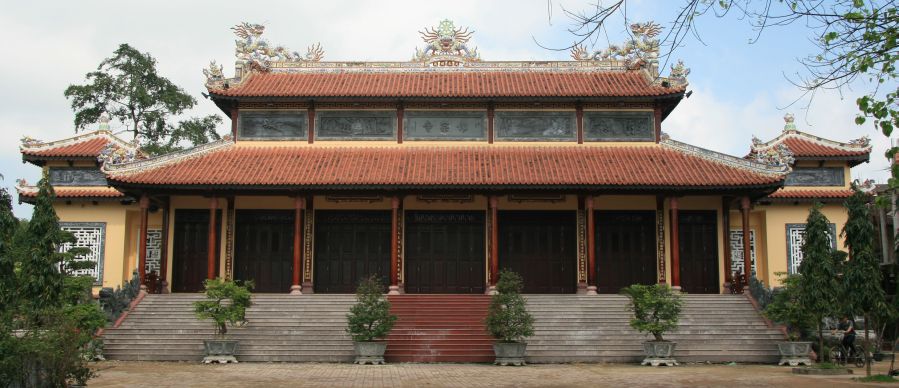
pixel 656 311
pixel 370 320
pixel 226 304
pixel 509 321
pixel 786 309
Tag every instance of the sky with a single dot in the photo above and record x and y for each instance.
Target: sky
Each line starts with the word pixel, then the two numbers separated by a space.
pixel 739 89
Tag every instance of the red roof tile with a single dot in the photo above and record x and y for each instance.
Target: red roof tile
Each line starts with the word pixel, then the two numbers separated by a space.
pixel 811 193
pixel 88 148
pixel 603 166
pixel 450 84
pixel 810 149
pixel 76 192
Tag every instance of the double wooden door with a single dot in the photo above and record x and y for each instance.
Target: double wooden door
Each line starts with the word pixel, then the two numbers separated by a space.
pixel 350 245
pixel 263 248
pixel 625 249
pixel 445 252
pixel 190 254
pixel 542 247
pixel 698 251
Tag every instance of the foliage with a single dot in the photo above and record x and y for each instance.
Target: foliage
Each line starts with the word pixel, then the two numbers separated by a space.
pixel 508 319
pixel 41 258
pixel 226 303
pixel 876 379
pixel 370 318
pixel 786 308
pixel 115 302
pixel 8 226
pixel 760 293
pixel 128 87
pixel 819 286
pixel 656 308
pixel 862 277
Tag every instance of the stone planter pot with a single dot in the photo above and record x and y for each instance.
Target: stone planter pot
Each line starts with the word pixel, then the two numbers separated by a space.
pixel 659 353
pixel 510 353
pixel 220 351
pixel 794 353
pixel 369 352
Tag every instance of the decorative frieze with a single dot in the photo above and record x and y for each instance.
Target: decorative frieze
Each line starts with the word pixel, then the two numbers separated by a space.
pixel 581 246
pixel 660 241
pixel 272 125
pixel 355 125
pixel 229 241
pixel 307 243
pixel 76 176
pixel 451 125
pixel 353 198
pixel 535 125
pixel 275 105
pixel 154 251
pixel 619 126
pixel 550 198
pixel 815 176
pixel 457 198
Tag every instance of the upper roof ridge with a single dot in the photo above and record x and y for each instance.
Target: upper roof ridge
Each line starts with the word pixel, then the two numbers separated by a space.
pixel 770 169
pixel 790 131
pixel 129 166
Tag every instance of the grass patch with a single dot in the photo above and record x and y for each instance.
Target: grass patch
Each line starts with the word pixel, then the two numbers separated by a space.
pixel 876 379
pixel 827 365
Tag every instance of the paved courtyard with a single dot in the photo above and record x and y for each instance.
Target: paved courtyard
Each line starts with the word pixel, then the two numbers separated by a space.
pixel 181 374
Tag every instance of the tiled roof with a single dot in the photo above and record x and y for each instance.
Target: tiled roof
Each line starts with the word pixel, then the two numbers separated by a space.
pixel 655 165
pixel 806 146
pixel 472 84
pixel 811 194
pixel 74 192
pixel 84 146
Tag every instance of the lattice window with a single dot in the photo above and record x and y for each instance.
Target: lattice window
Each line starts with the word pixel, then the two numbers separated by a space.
pixel 737 264
pixel 795 239
pixel 154 250
pixel 91 235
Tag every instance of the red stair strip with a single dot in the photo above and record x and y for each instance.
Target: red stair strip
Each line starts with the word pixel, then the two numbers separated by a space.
pixel 439 328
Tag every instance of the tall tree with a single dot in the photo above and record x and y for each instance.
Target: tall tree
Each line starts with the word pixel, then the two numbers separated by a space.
pixel 8 226
pixel 862 277
pixel 819 286
pixel 41 258
pixel 128 87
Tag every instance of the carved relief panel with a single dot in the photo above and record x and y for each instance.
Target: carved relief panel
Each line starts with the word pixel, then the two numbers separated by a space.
pixel 452 125
pixel 535 125
pixel 815 176
pixel 272 125
pixel 619 126
pixel 76 176
pixel 355 125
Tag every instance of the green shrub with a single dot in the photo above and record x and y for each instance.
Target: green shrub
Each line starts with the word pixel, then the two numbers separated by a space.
pixel 508 319
pixel 656 308
pixel 226 303
pixel 370 318
pixel 786 309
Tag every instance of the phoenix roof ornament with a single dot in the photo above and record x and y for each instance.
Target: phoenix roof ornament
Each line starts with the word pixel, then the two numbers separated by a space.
pixel 251 49
pixel 446 46
pixel 641 50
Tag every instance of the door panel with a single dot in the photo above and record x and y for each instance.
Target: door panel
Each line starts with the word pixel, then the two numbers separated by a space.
pixel 350 245
pixel 698 241
pixel 625 249
pixel 542 247
pixel 263 248
pixel 191 247
pixel 445 252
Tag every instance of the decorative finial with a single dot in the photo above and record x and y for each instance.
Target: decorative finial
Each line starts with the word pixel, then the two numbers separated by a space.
pixel 867 186
pixel 214 74
pixel 28 142
pixel 664 136
pixel 104 121
pixel 115 154
pixel 252 50
pixel 640 51
pixel 862 142
pixel 21 182
pixel 790 125
pixel 446 46
pixel 679 73
pixel 779 155
pixel 756 141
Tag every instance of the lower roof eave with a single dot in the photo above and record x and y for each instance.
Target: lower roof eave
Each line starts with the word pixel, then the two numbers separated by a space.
pixel 31 199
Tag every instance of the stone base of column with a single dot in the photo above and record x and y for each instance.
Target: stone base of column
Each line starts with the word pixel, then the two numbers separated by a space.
pixel 491 290
pixel 296 289
pixel 307 288
pixel 676 288
pixel 165 287
pixel 143 288
pixel 591 290
pixel 394 290
pixel 581 289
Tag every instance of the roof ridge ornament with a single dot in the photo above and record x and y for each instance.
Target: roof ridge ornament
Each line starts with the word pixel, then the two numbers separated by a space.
pixel 446 46
pixel 679 73
pixel 789 122
pixel 30 142
pixel 862 142
pixel 640 51
pixel 779 155
pixel 254 51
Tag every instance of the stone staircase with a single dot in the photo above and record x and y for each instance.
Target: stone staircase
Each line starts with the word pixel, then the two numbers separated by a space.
pixel 715 328
pixel 439 328
pixel 283 328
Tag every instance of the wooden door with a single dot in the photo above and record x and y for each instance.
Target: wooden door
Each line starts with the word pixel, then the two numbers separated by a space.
pixel 698 251
pixel 263 249
pixel 191 248
pixel 542 247
pixel 350 245
pixel 625 249
pixel 445 252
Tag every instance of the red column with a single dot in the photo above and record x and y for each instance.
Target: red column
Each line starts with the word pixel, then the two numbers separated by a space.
pixel 494 242
pixel 675 243
pixel 142 245
pixel 580 123
pixel 211 271
pixel 725 228
pixel 400 113
pixel 747 251
pixel 164 254
pixel 591 247
pixel 394 247
pixel 490 114
pixel 298 204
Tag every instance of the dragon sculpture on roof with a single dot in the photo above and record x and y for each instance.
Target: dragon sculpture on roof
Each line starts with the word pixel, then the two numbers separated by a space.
pixel 446 43
pixel 640 50
pixel 252 49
